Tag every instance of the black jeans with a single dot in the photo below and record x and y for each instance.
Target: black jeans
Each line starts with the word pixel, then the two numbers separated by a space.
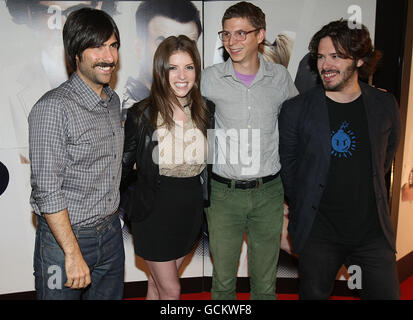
pixel 320 261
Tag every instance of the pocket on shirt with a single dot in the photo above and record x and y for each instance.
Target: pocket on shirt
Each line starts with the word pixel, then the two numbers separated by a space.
pixel 89 147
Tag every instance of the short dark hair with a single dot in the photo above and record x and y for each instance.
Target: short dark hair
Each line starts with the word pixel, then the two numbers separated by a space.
pixel 87 28
pixel 248 11
pixel 19 9
pixel 350 42
pixel 183 11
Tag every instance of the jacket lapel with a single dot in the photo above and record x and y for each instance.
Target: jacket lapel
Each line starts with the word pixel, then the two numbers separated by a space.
pixel 322 121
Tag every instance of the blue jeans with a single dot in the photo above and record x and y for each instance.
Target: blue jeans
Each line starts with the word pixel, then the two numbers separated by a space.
pixel 102 249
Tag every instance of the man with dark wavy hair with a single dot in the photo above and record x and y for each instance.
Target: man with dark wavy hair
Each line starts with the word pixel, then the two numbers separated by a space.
pixel 337 141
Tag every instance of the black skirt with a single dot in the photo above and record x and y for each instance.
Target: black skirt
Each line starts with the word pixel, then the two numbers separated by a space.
pixel 172 228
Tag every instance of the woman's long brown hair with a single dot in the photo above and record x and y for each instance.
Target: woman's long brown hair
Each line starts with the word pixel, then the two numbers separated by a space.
pixel 162 97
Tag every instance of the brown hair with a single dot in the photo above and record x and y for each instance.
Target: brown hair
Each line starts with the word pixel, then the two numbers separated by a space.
pixel 246 10
pixel 353 43
pixel 162 97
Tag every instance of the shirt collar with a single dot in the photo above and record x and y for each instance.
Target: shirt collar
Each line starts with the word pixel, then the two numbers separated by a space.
pixel 263 69
pixel 87 92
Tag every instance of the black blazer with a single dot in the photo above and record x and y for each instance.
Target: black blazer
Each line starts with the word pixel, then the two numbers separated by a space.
pixel 305 146
pixel 138 149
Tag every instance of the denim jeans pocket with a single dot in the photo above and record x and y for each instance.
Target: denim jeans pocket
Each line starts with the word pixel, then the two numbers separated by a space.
pixel 48 240
pixel 49 266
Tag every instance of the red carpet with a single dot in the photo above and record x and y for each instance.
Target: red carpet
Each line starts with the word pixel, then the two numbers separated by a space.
pixel 245 296
pixel 406 288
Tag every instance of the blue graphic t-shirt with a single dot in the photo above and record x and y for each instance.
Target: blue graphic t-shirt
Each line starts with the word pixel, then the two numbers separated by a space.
pixel 347 211
pixel 343 141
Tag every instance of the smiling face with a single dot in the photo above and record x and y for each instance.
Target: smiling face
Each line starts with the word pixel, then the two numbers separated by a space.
pixel 181 74
pixel 337 73
pixel 243 53
pixel 97 64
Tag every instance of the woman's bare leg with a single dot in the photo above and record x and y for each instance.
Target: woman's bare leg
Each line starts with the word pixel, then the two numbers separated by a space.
pixel 163 282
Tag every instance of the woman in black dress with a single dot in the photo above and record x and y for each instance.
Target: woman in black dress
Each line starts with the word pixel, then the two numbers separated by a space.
pixel 165 136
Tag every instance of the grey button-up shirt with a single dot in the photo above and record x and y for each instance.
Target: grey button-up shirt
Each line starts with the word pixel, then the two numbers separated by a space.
pixel 246 118
pixel 75 147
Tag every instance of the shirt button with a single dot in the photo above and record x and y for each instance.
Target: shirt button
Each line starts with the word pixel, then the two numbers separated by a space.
pixel 109 199
pixel 249 126
pixel 249 107
pixel 113 133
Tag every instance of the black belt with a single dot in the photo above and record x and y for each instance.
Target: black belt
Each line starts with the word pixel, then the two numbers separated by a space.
pixel 244 184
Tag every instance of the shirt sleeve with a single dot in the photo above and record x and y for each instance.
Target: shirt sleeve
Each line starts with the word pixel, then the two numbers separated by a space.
pixel 47 151
pixel 204 83
pixel 291 88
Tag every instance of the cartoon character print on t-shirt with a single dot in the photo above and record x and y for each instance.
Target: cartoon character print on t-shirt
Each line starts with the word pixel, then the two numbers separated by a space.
pixel 343 142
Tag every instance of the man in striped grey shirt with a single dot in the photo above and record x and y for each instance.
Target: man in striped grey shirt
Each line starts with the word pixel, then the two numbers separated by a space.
pixel 75 147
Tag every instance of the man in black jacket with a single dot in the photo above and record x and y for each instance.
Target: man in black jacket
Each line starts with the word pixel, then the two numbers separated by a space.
pixel 337 141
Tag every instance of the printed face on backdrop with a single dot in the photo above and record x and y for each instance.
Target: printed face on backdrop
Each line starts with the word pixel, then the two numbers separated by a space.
pixel 53 14
pixel 336 72
pixel 46 20
pixel 97 64
pixel 181 74
pixel 242 51
pixel 160 28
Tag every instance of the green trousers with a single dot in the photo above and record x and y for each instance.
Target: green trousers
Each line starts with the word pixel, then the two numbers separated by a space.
pixel 257 212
